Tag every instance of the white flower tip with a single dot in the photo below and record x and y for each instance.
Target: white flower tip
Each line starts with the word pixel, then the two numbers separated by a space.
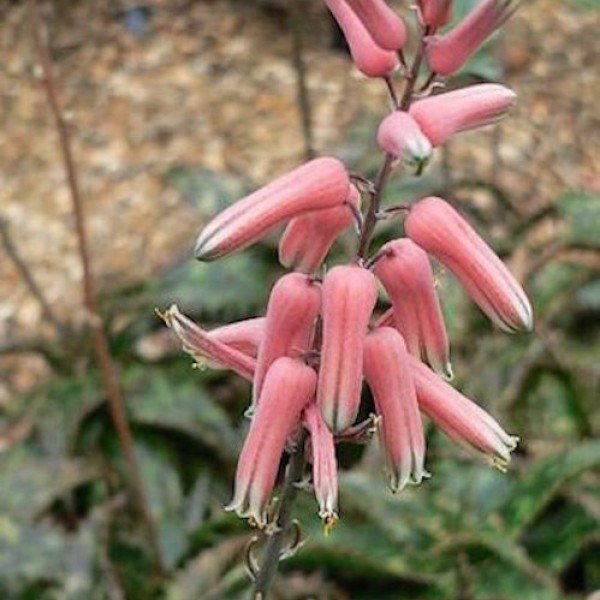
pixel 204 250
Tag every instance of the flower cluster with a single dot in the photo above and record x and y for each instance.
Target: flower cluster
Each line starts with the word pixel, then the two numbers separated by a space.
pixel 320 338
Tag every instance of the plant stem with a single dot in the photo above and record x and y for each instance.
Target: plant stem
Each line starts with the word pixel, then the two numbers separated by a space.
pixel 386 165
pixel 268 568
pixel 392 92
pixel 296 19
pixel 413 75
pixel 23 268
pixel 371 218
pixel 100 344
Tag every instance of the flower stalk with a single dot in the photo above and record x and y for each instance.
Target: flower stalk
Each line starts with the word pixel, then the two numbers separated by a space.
pixel 319 323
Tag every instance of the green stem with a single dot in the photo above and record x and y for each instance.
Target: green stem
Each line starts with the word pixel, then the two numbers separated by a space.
pixel 272 554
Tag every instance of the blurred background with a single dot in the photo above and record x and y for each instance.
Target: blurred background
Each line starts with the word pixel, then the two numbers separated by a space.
pixel 176 108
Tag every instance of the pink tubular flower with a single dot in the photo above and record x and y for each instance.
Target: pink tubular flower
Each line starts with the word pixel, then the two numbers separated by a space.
pixel 385 27
pixel 349 296
pixel 446 54
pixel 307 239
pixel 400 136
pixel 200 345
pixel 368 57
pixel 318 184
pixel 288 387
pixel 387 371
pixel 324 463
pixel 406 274
pixel 460 418
pixel 441 116
pixel 435 13
pixel 293 306
pixel 435 226
pixel 244 336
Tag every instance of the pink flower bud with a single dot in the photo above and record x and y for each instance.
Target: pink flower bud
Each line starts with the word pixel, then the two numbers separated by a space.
pixel 435 13
pixel 307 239
pixel 349 296
pixel 368 57
pixel 385 26
pixel 244 336
pixel 318 184
pixel 406 274
pixel 460 418
pixel 440 230
pixel 200 345
pixel 293 306
pixel 441 116
pixel 400 136
pixel 447 53
pixel 324 463
pixel 387 371
pixel 288 387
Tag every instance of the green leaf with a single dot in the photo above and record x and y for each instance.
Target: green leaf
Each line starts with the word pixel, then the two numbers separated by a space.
pixel 203 576
pixel 237 285
pixel 208 190
pixel 35 482
pixel 581 213
pixel 163 488
pixel 160 397
pixel 558 534
pixel 543 480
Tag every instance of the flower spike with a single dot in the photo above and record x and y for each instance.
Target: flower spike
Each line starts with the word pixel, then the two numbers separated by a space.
pixel 244 336
pixel 387 371
pixel 460 418
pixel 400 135
pixel 435 13
pixel 200 345
pixel 441 116
pixel 368 57
pixel 288 387
pixel 307 239
pixel 349 296
pixel 385 27
pixel 293 306
pixel 406 274
pixel 318 184
pixel 324 463
pixel 435 226
pixel 447 53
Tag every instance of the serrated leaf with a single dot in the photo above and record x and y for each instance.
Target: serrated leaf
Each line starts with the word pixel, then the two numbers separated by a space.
pixel 30 482
pixel 202 574
pixel 208 190
pixel 540 483
pixel 164 492
pixel 236 285
pixel 556 537
pixel 160 397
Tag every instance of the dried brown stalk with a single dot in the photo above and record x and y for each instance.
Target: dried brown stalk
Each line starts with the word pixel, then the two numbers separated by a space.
pixel 100 345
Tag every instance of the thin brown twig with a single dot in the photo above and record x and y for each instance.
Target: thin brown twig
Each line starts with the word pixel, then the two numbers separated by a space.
pixel 413 74
pixel 392 92
pixel 296 20
pixel 100 344
pixel 36 291
pixel 371 218
pixel 386 164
